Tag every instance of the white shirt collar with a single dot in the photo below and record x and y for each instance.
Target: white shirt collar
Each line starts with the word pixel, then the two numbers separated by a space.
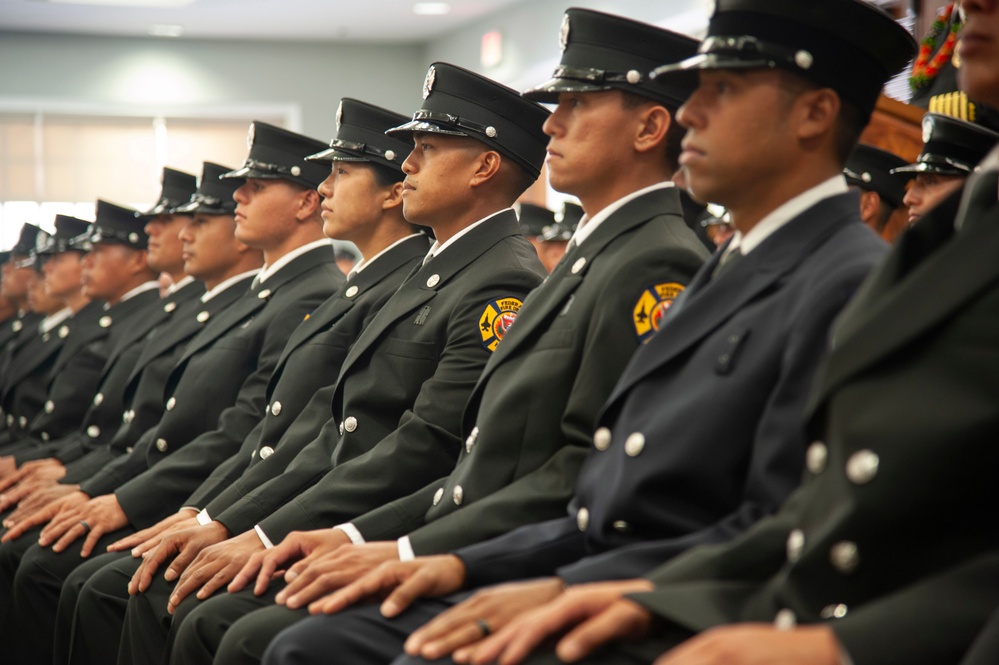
pixel 222 286
pixel 141 288
pixel 268 271
pixel 437 248
pixel 177 286
pixel 364 263
pixel 784 213
pixel 587 225
pixel 52 320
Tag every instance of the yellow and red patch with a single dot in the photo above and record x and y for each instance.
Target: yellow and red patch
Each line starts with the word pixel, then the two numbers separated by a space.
pixel 496 320
pixel 651 307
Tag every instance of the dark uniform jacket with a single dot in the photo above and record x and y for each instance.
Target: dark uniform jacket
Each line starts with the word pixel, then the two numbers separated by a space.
pixel 16 333
pixel 529 422
pixel 24 394
pixel 305 374
pixel 703 434
pixel 74 378
pixel 216 393
pixel 114 325
pixel 403 386
pixel 891 538
pixel 139 373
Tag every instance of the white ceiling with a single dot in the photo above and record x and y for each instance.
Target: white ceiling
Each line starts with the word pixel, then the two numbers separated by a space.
pixel 312 20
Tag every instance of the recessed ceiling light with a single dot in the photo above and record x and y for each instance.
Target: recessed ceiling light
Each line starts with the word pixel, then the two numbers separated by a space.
pixel 160 30
pixel 124 3
pixel 431 8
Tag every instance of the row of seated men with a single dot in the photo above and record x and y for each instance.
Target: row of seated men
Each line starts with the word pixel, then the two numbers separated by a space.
pixel 270 446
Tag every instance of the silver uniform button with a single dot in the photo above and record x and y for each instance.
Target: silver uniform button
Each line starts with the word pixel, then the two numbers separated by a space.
pixel 16 326
pixel 93 431
pixel 433 280
pixel 129 449
pixel 98 399
pixel 105 322
pixel 49 406
pixel 602 439
pixel 470 441
pixel 582 519
pixel 622 526
pixel 785 620
pixel 161 445
pixel 266 452
pixel 837 611
pixel 64 332
pixel 350 423
pixel 844 556
pixel 351 292
pixel 128 416
pixel 171 404
pixel 815 458
pixel 22 421
pixel 169 307
pixel 10 420
pixel 265 294
pixel 634 444
pixel 578 265
pixel 45 437
pixel 862 467
pixel 276 408
pixel 438 495
pixel 203 316
pixel 795 543
pixel 458 495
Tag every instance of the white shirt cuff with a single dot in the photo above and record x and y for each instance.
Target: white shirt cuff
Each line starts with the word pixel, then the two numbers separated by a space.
pixel 268 545
pixel 352 533
pixel 405 549
pixel 204 518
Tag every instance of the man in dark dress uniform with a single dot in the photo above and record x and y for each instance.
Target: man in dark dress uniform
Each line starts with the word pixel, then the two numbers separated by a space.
pixel 887 552
pixel 363 204
pixel 217 386
pixel 666 472
pixel 477 147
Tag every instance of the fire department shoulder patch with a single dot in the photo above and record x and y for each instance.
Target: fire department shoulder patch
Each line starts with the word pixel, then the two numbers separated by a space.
pixel 496 320
pixel 651 307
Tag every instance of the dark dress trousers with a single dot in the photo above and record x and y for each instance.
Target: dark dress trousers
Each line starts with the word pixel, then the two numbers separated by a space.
pixel 400 394
pixel 701 437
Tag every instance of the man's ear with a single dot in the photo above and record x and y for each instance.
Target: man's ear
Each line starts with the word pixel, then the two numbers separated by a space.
pixel 487 166
pixel 817 112
pixel 393 196
pixel 308 205
pixel 653 125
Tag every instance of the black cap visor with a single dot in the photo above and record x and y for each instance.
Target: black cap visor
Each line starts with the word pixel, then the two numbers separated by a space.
pixel 936 164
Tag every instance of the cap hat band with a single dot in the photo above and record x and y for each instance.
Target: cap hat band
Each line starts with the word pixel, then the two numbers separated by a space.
pixel 744 45
pixel 598 75
pixel 268 167
pixel 363 149
pixel 454 121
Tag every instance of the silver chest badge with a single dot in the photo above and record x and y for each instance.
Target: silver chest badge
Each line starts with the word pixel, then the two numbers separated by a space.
pixel 563 33
pixel 428 83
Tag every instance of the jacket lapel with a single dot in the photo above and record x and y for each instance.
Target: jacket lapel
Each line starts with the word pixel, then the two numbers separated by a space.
pixel 712 302
pixel 419 288
pixel 898 306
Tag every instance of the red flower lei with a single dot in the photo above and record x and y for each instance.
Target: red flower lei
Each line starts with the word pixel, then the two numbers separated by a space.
pixel 925 70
